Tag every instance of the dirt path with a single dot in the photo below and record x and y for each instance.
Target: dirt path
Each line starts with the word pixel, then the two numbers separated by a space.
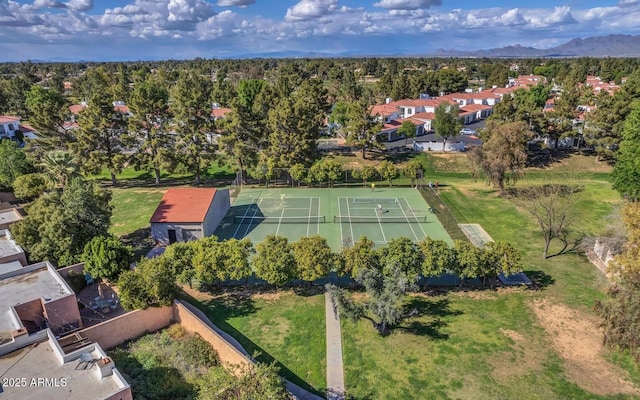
pixel 578 341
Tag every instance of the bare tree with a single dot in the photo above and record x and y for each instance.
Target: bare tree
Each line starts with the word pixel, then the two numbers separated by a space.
pixel 553 208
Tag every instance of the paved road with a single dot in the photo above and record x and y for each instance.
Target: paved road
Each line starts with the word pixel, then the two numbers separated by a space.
pixel 468 140
pixel 335 369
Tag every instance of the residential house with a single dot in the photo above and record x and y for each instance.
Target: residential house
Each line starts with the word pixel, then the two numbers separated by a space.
pixel 38 368
pixel 218 112
pixel 10 126
pixel 188 213
pixel 527 80
pixel 599 86
pixel 36 307
pixel 34 298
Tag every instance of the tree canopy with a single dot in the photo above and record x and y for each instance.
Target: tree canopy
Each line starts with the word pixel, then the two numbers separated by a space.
pixel 107 257
pixel 626 173
pixel 59 225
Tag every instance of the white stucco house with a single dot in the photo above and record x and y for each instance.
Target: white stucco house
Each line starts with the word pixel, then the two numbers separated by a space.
pixel 188 214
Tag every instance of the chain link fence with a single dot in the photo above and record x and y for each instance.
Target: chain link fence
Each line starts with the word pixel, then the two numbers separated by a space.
pixel 443 213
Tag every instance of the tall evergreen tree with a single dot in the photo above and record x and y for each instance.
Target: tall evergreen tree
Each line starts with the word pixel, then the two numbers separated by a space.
pixel 101 136
pixel 626 173
pixel 150 126
pixel 192 116
pixel 295 125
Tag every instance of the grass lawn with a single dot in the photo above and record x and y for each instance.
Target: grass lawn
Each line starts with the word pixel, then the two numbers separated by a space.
pixel 132 208
pixel 477 344
pixel 469 346
pixel 490 344
pixel 283 326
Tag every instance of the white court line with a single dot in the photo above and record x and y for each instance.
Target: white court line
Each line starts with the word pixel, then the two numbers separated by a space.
pixel 318 213
pixel 309 216
pixel 410 226
pixel 288 208
pixel 381 228
pixel 253 199
pixel 280 221
pixel 414 215
pixel 369 208
pixel 341 234
pixel 246 232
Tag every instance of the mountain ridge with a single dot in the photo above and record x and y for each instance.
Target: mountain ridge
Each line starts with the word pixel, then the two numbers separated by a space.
pixel 618 45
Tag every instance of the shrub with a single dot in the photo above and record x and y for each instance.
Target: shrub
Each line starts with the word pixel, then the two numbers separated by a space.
pixel 29 186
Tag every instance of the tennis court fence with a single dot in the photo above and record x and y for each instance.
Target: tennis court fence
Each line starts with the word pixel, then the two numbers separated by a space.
pixel 443 213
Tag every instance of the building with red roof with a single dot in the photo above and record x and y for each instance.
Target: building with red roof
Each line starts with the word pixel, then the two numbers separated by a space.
pixel 188 213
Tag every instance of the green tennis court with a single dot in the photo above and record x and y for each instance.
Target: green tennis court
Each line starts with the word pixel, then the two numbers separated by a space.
pixel 341 215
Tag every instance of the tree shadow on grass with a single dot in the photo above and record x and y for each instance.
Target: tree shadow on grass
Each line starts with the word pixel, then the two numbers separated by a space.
pixel 539 279
pixel 220 310
pixel 140 240
pixel 419 307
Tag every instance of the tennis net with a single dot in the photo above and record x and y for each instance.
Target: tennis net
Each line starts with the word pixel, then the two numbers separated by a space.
pixel 373 200
pixel 413 219
pixel 313 219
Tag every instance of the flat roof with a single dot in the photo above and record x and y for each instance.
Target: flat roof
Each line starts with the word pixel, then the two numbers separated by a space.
pixel 8 246
pixel 187 205
pixel 47 375
pixel 10 266
pixel 27 284
pixel 9 216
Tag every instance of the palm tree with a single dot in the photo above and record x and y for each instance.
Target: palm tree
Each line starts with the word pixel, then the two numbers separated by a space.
pixel 59 167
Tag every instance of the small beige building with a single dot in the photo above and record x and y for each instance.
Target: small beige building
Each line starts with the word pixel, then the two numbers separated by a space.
pixel 188 214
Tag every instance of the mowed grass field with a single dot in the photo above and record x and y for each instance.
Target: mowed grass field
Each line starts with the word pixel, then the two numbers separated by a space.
pixel 507 344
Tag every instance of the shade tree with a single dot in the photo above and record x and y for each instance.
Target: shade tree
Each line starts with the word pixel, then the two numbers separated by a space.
pixel 274 261
pixel 106 257
pixel 502 156
pixel 60 224
pixel 194 123
pixel 362 254
pixel 388 171
pixel 313 257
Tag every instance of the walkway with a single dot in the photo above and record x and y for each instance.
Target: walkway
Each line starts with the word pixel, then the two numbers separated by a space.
pixel 335 375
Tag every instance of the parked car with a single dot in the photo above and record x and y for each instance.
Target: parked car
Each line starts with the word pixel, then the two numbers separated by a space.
pixel 467 131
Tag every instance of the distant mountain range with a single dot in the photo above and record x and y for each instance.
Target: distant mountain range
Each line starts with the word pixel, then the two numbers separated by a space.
pixel 596 46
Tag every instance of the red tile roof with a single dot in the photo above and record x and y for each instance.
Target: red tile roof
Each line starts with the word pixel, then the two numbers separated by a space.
pixel 189 205
pixel 424 116
pixel 384 109
pixel 76 108
pixel 475 107
pixel 220 112
pixel 8 118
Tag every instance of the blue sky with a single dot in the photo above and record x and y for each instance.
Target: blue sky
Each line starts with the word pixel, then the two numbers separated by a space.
pixel 114 30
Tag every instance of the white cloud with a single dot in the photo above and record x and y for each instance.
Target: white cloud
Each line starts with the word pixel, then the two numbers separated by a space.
pixel 407 4
pixel 235 3
pixel 559 16
pixel 311 9
pixel 80 5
